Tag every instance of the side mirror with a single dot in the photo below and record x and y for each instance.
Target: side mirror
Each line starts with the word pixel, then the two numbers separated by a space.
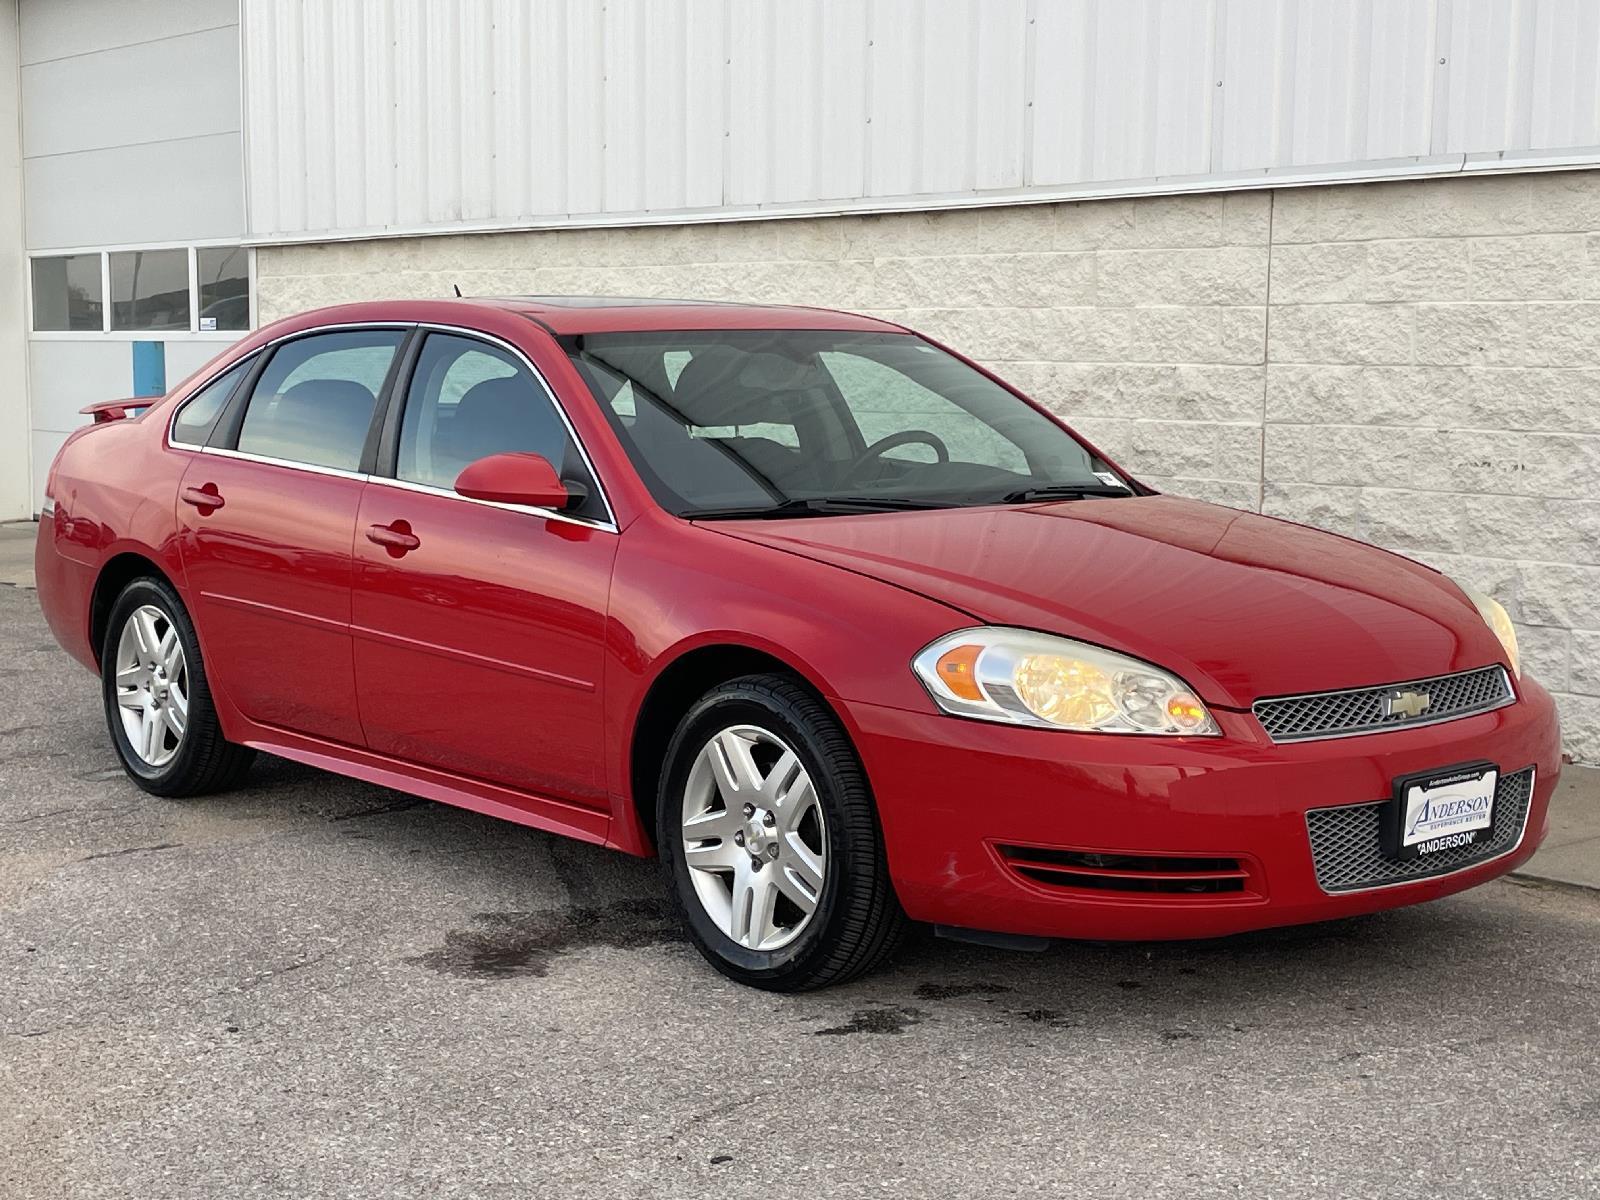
pixel 515 478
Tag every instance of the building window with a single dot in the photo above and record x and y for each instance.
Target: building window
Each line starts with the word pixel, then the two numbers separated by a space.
pixel 224 273
pixel 182 289
pixel 150 289
pixel 66 293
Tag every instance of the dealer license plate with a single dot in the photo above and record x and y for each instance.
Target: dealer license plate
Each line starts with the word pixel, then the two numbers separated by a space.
pixel 1444 810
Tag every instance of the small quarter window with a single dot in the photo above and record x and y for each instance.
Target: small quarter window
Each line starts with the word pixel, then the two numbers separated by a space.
pixel 198 416
pixel 314 402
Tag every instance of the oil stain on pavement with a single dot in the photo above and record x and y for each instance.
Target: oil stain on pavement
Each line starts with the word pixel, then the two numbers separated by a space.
pixel 889 1018
pixel 509 944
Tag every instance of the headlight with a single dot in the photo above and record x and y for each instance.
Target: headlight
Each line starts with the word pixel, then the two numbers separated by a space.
pixel 1029 678
pixel 1496 617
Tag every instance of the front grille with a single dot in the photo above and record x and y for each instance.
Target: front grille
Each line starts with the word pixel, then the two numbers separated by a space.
pixel 1347 842
pixel 1361 710
pixel 1147 874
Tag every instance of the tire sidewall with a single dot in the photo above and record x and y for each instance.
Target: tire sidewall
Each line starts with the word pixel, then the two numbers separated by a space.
pixel 157 594
pixel 717 711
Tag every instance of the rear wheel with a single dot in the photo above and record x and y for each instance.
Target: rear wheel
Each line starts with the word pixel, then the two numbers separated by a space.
pixel 769 835
pixel 158 705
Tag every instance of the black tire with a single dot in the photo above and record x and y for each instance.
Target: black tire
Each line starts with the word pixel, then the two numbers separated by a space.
pixel 205 761
pixel 857 922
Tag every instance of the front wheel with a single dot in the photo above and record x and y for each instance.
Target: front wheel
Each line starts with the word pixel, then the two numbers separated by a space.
pixel 771 842
pixel 158 704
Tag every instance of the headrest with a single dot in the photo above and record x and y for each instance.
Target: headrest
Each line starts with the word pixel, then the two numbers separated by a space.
pixel 345 396
pixel 500 415
pixel 504 397
pixel 722 386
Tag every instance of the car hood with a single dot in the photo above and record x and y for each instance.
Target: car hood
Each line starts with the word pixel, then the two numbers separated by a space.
pixel 1240 605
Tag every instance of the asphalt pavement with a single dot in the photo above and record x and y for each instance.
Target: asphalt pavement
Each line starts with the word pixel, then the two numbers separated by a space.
pixel 314 987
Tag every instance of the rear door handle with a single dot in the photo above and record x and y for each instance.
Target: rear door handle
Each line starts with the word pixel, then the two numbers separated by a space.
pixel 396 537
pixel 203 497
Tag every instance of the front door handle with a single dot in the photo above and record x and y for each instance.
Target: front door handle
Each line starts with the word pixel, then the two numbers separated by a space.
pixel 395 537
pixel 205 497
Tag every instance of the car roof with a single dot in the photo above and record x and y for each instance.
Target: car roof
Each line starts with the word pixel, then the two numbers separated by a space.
pixel 600 314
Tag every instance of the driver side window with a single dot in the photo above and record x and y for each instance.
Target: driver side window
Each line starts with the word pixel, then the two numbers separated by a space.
pixel 884 401
pixel 469 399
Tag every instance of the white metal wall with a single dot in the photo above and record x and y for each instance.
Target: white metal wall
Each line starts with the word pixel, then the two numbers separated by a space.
pixel 130 121
pixel 130 136
pixel 405 115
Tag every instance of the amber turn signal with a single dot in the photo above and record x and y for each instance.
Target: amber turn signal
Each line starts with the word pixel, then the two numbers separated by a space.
pixel 957 672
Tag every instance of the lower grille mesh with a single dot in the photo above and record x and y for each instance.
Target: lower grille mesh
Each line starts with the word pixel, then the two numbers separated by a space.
pixel 1347 842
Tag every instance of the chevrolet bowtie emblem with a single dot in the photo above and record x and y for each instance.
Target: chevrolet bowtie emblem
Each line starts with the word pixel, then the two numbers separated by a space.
pixel 1404 702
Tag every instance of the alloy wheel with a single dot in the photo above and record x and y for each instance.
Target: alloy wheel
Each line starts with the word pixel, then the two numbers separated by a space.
pixel 152 685
pixel 754 837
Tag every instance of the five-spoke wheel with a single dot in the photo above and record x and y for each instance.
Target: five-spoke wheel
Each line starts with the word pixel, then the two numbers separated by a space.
pixel 152 685
pixel 158 706
pixel 771 841
pixel 754 837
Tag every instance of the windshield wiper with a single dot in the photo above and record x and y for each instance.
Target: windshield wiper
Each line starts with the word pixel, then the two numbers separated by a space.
pixel 812 506
pixel 1065 491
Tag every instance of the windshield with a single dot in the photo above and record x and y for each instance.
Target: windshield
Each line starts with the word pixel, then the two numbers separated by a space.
pixel 792 422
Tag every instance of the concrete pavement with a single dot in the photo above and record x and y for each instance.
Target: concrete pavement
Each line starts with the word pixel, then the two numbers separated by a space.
pixel 1571 851
pixel 16 553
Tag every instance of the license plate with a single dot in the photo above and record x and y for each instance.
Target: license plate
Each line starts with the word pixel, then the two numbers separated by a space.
pixel 1444 809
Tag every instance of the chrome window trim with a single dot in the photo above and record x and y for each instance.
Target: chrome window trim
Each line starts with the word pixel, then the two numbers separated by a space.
pixel 549 514
pixel 1509 699
pixel 1533 783
pixel 609 524
pixel 269 461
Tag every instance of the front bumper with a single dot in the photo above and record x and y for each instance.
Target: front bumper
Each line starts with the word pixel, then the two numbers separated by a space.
pixel 952 792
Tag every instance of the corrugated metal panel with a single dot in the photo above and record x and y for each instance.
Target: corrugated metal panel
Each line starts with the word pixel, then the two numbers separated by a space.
pixel 409 115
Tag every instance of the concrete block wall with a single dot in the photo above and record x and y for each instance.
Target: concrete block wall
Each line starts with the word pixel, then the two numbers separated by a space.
pixel 1416 364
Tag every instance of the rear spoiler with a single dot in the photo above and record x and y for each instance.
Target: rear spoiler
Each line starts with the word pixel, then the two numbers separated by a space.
pixel 117 410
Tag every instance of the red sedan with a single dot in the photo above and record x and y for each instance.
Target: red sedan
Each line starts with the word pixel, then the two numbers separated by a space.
pixel 842 626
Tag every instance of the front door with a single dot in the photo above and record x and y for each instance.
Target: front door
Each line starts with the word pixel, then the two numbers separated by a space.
pixel 266 517
pixel 480 628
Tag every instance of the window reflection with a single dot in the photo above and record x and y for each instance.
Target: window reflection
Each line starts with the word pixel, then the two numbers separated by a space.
pixel 66 293
pixel 150 289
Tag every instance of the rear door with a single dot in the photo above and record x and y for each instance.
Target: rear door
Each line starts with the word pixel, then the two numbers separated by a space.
pixel 267 512
pixel 480 637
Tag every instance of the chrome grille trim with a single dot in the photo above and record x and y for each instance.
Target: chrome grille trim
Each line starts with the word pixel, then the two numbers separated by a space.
pixel 1352 712
pixel 1347 842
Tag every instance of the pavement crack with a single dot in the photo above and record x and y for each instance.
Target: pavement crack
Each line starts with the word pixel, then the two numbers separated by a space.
pixel 278 972
pixel 132 850
pixel 54 812
pixel 400 805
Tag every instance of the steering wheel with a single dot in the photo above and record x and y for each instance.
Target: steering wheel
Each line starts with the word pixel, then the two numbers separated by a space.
pixel 906 437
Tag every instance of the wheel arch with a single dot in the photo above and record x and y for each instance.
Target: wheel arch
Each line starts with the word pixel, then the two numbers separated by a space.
pixel 686 678
pixel 116 573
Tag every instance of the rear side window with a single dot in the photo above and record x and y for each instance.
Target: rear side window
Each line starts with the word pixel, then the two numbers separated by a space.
pixel 198 416
pixel 314 402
